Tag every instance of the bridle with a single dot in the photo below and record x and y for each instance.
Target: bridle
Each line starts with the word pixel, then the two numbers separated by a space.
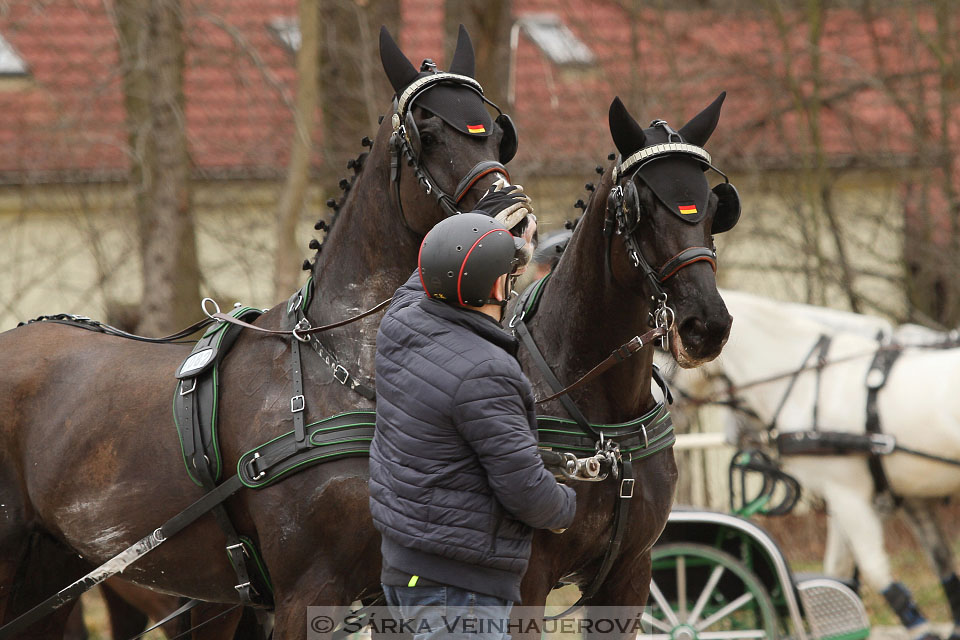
pixel 623 217
pixel 405 142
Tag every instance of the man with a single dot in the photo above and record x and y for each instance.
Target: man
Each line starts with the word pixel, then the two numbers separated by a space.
pixel 456 485
pixel 548 252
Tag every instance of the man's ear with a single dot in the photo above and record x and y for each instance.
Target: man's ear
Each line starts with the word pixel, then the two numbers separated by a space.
pixel 499 286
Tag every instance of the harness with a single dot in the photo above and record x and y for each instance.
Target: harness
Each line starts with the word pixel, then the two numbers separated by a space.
pixel 615 445
pixel 623 215
pixel 405 143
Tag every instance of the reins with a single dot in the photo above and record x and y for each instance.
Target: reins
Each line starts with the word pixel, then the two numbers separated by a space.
pixel 621 353
pixel 301 334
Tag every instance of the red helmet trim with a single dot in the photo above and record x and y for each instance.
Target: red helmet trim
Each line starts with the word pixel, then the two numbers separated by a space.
pixel 464 263
pixel 420 268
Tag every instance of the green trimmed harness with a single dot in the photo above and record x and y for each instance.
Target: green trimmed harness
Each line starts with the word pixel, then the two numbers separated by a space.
pixel 621 443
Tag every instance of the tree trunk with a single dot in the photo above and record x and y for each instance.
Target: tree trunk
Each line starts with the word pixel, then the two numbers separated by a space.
pixel 152 57
pixel 288 257
pixel 488 22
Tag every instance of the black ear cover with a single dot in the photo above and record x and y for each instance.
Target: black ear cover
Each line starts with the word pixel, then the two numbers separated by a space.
pixel 728 208
pixel 508 141
pixel 413 134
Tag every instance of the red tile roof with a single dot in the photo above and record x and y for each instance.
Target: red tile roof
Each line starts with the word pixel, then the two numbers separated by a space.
pixel 239 82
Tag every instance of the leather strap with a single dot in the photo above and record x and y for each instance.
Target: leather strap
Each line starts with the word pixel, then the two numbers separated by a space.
pixel 686 258
pixel 124 559
pixel 620 513
pixel 555 384
pixel 223 317
pixel 621 353
pixel 877 376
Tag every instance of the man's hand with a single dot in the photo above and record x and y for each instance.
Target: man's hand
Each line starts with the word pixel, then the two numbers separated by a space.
pixel 509 205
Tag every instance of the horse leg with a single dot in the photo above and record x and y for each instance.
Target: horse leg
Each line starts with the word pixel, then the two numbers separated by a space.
pixel 126 620
pixel 293 620
pixel 75 628
pixel 854 512
pixel 838 556
pixel 921 515
pixel 616 609
pixel 46 566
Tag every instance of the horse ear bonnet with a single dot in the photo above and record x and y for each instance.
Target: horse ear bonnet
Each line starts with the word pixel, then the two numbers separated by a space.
pixel 678 181
pixel 457 105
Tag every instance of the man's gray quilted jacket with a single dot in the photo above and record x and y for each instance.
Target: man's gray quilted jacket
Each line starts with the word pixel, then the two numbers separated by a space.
pixel 455 480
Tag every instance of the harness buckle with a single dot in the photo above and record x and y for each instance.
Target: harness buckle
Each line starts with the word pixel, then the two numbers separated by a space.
pixel 246 585
pixel 253 467
pixel 233 547
pixel 626 487
pixel 184 391
pixel 340 374
pixel 297 404
pixel 882 444
pixel 517 317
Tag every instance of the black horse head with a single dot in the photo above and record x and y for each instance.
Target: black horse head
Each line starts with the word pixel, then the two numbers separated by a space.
pixel 663 207
pixel 441 129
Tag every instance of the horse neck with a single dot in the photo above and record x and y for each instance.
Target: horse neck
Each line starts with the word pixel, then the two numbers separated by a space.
pixel 368 253
pixel 584 315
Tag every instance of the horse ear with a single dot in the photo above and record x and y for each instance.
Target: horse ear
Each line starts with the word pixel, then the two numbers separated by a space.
pixel 626 133
pixel 399 70
pixel 463 62
pixel 701 126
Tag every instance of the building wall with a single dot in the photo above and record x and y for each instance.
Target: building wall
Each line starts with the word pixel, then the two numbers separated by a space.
pixel 73 248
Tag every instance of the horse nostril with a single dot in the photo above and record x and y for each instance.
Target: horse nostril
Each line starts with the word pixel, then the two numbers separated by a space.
pixel 693 331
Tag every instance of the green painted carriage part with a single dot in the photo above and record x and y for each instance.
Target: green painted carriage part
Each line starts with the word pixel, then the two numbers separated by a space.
pixel 698 555
pixel 860 634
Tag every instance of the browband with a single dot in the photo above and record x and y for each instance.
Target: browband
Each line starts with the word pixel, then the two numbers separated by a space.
pixel 419 86
pixel 656 151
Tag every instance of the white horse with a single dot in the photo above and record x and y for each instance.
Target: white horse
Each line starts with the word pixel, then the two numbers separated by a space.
pixel 919 406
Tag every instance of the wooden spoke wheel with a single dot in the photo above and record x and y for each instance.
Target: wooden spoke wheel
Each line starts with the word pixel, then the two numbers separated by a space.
pixel 701 593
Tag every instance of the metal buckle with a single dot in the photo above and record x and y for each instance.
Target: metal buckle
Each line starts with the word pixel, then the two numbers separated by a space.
pixel 246 585
pixel 297 404
pixel 186 392
pixel 626 487
pixel 253 467
pixel 295 303
pixel 517 317
pixel 882 444
pixel 346 374
pixel 240 545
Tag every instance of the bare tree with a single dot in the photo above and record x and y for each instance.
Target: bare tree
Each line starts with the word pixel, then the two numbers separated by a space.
pixel 488 22
pixel 152 57
pixel 293 198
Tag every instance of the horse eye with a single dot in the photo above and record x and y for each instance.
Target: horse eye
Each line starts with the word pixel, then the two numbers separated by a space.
pixel 428 140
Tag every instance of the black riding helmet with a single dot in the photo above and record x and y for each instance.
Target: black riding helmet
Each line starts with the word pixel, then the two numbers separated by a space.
pixel 462 257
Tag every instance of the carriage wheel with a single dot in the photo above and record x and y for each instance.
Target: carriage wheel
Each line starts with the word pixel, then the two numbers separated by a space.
pixel 698 592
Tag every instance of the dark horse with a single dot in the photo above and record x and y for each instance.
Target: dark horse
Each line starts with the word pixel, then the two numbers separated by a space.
pixel 90 461
pixel 599 296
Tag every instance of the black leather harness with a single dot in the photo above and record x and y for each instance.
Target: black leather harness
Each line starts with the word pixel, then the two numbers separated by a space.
pixel 195 416
pixel 640 438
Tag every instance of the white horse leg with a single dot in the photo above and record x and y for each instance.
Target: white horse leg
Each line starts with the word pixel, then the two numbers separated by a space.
pixel 855 514
pixel 920 514
pixel 838 556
